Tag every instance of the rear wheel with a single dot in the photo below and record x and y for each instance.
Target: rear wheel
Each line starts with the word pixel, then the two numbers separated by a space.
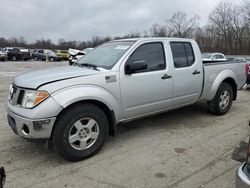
pixel 80 131
pixel 222 101
pixel 51 59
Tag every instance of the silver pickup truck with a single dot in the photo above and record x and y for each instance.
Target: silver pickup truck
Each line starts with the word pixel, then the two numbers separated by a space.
pixel 76 106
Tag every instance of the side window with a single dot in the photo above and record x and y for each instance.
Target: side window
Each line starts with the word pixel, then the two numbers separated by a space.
pixel 179 54
pixel 183 54
pixel 16 49
pixel 150 53
pixel 40 51
pixel 190 53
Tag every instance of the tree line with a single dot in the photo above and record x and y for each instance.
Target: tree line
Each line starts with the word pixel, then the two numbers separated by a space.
pixel 227 31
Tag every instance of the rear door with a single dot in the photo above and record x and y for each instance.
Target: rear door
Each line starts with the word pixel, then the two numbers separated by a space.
pixel 187 73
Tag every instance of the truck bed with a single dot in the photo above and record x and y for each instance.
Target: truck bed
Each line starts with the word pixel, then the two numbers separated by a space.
pixel 212 72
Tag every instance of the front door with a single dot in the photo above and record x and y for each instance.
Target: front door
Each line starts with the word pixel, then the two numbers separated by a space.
pixel 148 90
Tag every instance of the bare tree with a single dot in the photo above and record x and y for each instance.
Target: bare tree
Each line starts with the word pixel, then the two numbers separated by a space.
pixel 220 19
pixel 246 10
pixel 181 26
pixel 227 31
pixel 237 28
pixel 158 30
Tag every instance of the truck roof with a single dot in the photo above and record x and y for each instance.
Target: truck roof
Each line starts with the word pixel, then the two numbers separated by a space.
pixel 153 39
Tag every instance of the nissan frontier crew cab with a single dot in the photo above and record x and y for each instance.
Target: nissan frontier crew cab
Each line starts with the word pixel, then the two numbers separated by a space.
pixel 76 106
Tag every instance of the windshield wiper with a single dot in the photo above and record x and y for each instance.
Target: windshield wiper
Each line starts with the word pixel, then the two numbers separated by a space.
pixel 87 65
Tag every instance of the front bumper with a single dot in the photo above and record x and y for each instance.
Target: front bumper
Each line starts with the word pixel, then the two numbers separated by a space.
pixel 31 129
pixel 241 179
pixel 3 57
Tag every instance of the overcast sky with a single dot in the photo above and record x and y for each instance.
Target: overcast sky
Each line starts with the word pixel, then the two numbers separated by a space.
pixel 83 19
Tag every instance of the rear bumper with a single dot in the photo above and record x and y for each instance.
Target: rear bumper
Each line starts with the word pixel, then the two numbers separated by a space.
pixel 241 179
pixel 55 58
pixel 30 129
pixel 25 57
pixel 63 57
pixel 3 57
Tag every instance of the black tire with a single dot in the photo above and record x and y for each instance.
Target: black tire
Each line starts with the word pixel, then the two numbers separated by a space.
pixel 36 59
pixel 66 121
pixel 51 59
pixel 214 106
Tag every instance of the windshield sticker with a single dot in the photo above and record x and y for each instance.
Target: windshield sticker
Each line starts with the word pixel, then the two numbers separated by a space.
pixel 121 47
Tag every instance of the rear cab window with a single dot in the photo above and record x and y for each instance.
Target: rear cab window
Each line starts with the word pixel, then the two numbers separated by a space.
pixel 183 54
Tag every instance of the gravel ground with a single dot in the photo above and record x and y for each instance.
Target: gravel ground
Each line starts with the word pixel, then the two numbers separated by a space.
pixel 183 148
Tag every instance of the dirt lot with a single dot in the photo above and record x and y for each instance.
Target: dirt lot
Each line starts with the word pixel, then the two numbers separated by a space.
pixel 183 148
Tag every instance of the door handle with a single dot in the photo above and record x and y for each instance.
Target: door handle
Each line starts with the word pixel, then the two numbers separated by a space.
pixel 166 76
pixel 196 72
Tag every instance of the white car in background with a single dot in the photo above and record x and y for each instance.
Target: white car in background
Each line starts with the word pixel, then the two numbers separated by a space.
pixel 206 57
pixel 75 55
pixel 3 56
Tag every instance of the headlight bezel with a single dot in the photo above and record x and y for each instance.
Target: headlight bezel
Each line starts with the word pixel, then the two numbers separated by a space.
pixel 33 98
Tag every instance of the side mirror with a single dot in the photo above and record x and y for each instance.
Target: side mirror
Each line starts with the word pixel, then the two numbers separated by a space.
pixel 135 66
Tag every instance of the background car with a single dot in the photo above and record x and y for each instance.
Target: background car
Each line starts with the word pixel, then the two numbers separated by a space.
pixel 213 57
pixel 3 56
pixel 25 54
pixel 42 54
pixel 75 55
pixel 32 51
pixel 16 53
pixel 64 54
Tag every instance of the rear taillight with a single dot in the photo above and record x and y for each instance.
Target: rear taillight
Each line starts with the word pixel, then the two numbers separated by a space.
pixel 246 67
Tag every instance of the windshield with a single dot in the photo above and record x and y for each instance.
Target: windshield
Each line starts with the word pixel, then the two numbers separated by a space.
pixel 106 55
pixel 206 56
pixel 87 50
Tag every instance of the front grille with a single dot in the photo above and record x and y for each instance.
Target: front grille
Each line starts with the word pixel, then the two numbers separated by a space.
pixel 16 95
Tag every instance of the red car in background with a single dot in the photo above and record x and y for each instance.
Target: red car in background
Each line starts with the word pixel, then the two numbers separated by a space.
pixel 16 53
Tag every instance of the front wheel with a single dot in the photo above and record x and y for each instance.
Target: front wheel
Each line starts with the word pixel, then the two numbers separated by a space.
pixel 80 131
pixel 222 101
